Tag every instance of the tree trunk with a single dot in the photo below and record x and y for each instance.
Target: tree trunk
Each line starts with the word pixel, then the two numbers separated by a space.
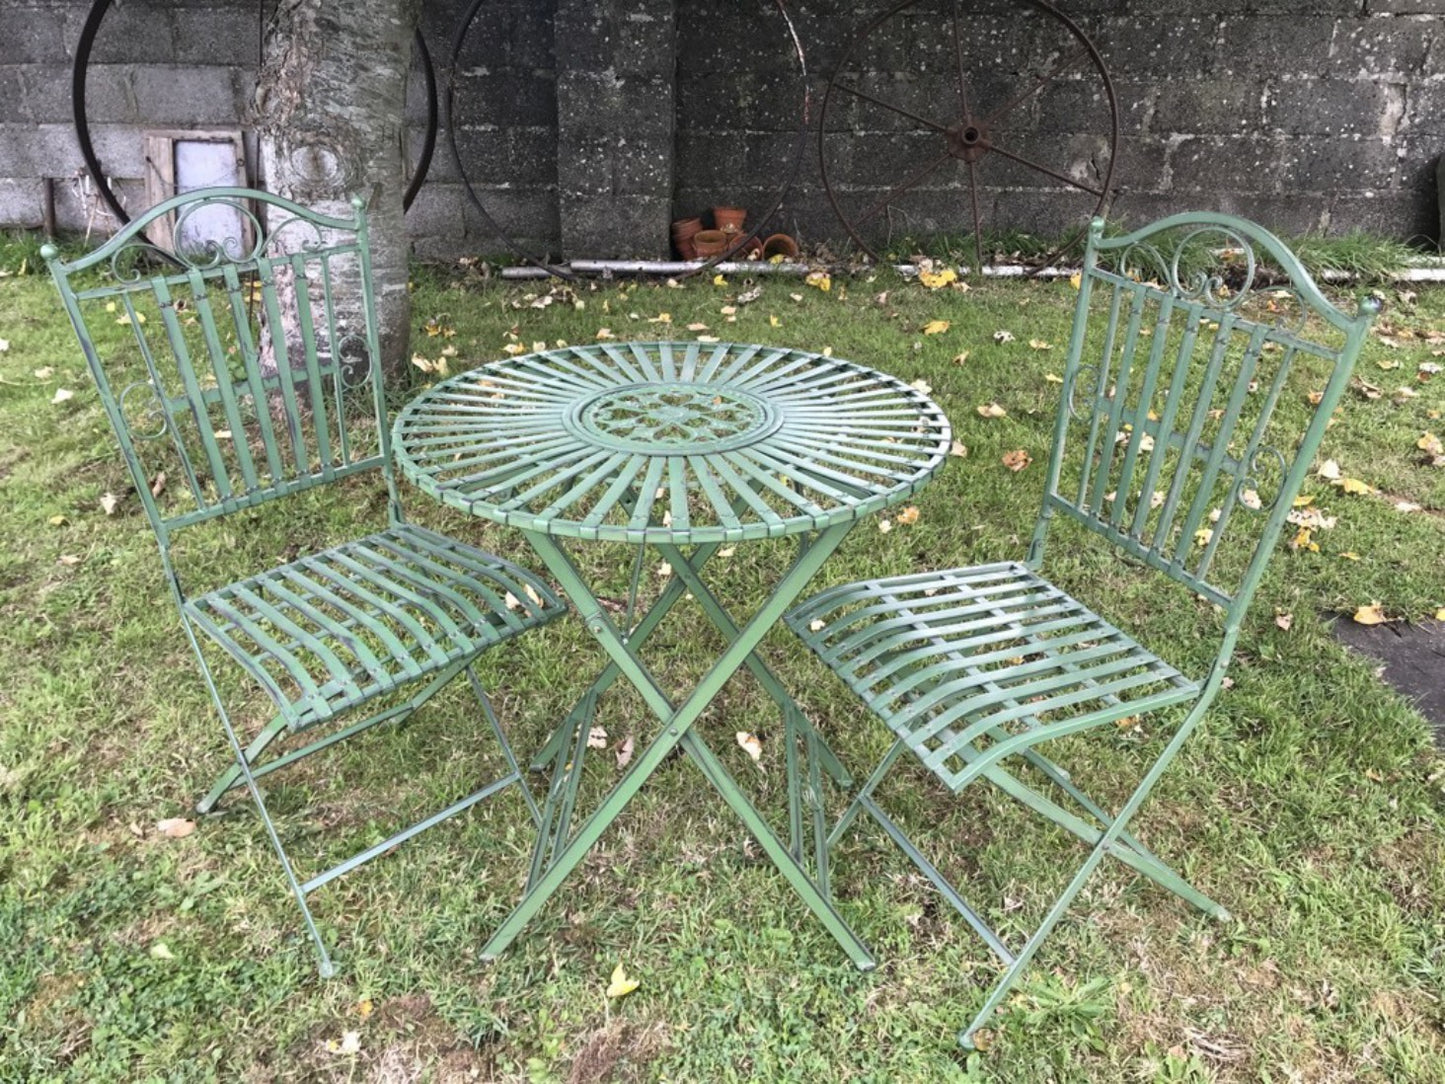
pixel 329 120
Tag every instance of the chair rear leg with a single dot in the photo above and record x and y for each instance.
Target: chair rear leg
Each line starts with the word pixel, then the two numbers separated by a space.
pixel 326 968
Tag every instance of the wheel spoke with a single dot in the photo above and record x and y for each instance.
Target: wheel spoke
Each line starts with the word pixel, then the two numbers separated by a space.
pixel 1041 82
pixel 893 108
pixel 904 187
pixel 958 57
pixel 977 219
pixel 1021 160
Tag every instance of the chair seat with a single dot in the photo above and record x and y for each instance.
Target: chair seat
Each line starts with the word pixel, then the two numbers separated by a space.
pixel 332 630
pixel 954 661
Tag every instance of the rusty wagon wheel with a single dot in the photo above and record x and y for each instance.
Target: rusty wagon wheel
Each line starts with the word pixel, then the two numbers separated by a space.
pixel 993 105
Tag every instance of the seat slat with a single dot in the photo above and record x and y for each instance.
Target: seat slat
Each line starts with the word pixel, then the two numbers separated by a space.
pixel 936 668
pixel 357 607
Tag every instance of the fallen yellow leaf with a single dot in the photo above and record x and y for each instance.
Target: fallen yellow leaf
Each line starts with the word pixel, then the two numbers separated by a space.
pixel 1440 614
pixel 1354 486
pixel 1039 344
pixel 1428 442
pixel 1373 614
pixel 820 279
pixel 1017 460
pixel 991 410
pixel 621 985
pixel 908 515
pixel 936 327
pixel 1076 280
pixel 935 280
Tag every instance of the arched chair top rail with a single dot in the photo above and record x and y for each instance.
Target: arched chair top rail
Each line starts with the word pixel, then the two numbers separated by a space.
pixel 132 235
pixel 1229 231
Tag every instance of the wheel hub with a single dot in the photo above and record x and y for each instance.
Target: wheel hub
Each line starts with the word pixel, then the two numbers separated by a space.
pixel 968 139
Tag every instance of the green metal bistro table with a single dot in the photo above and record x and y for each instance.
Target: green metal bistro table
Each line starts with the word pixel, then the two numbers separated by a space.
pixel 682 448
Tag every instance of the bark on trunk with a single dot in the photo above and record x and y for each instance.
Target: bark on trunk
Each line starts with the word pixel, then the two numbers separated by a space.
pixel 329 120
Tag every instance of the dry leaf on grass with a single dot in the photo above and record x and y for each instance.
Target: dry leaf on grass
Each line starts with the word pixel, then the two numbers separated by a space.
pixel 175 827
pixel 750 744
pixel 1373 614
pixel 624 752
pixel 620 985
pixel 991 410
pixel 1017 460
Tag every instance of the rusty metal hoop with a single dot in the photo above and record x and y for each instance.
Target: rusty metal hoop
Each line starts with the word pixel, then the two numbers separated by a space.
pixel 972 134
pixel 790 176
pixel 80 69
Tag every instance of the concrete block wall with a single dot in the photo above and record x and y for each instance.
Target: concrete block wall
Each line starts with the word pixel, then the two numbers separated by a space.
pixel 156 64
pixel 1309 115
pixel 586 126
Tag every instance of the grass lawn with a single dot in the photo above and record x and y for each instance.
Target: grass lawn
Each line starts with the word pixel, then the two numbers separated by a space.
pixel 1310 803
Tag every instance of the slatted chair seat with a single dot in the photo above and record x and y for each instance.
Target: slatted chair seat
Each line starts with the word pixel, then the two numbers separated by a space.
pixel 332 630
pixel 239 356
pixel 958 661
pixel 1189 415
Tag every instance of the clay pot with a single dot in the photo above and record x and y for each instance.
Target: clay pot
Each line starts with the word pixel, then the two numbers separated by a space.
pixel 780 244
pixel 683 232
pixel 709 243
pixel 729 219
pixel 751 249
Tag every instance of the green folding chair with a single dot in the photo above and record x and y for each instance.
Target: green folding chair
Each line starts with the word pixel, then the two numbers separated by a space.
pixel 1202 369
pixel 235 350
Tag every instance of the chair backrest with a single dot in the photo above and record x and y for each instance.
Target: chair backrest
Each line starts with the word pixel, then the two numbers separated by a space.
pixel 242 361
pixel 1204 364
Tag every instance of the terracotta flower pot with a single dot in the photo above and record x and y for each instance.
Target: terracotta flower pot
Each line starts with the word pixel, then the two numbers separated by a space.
pixel 709 243
pixel 780 244
pixel 729 219
pixel 683 232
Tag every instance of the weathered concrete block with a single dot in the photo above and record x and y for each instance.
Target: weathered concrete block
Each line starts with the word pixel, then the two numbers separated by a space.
pixel 1405 7
pixel 1143 164
pixel 505 97
pixel 46 97
pixel 1335 107
pixel 1219 106
pixel 226 35
pixel 1170 43
pixel 129 33
pixel 34 34
pixel 598 101
pixel 1425 109
pixel 1217 164
pixel 1255 46
pixel 20 202
pixel 184 95
pixel 1371 48
pixel 1337 165
pixel 1390 214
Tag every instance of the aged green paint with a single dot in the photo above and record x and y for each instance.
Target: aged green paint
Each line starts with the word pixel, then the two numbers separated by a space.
pixel 326 634
pixel 680 447
pixel 973 666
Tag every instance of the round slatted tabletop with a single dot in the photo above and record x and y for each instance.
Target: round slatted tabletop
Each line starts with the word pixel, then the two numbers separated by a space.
pixel 671 442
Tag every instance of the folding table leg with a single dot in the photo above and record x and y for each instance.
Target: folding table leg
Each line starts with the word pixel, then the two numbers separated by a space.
pixel 676 726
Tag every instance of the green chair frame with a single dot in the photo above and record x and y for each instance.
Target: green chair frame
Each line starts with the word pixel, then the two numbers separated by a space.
pixel 1188 468
pixel 244 378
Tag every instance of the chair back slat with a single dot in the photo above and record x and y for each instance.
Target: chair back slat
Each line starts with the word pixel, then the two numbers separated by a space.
pixel 1203 365
pixel 240 370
